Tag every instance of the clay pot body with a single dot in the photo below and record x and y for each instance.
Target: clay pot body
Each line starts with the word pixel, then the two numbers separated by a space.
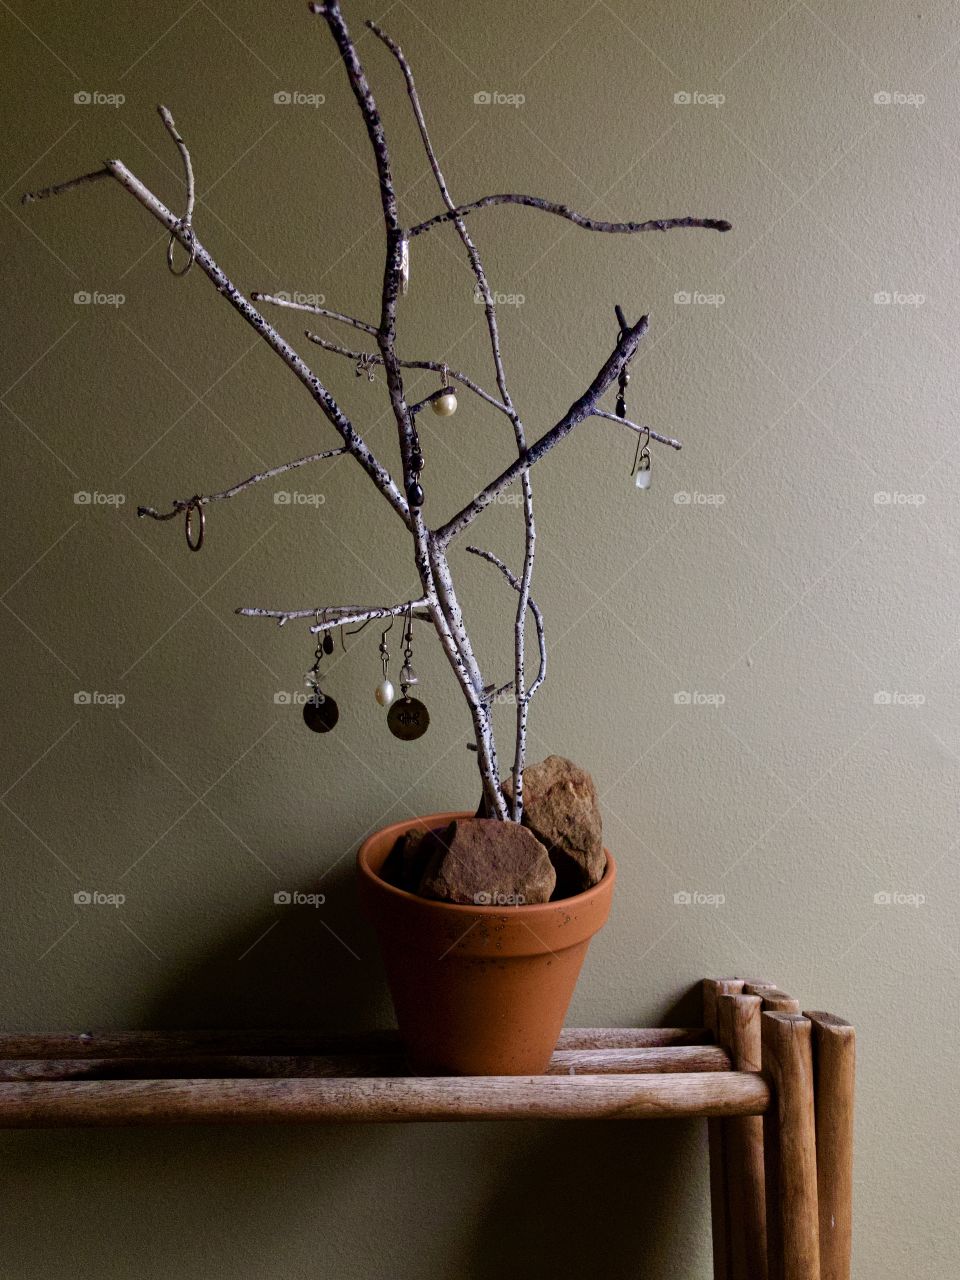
pixel 478 990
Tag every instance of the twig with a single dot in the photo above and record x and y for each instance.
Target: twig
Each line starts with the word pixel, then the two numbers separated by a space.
pixel 343 615
pixel 167 119
pixel 564 211
pixel 181 504
pixel 635 426
pixel 583 407
pixel 29 197
pixel 436 366
pixel 534 609
pixel 276 301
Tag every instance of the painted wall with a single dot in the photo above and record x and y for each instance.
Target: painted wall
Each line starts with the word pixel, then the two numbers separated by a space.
pixel 757 659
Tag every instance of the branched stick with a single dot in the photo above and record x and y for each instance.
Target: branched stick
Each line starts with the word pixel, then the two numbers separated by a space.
pixel 59 188
pixel 476 265
pixel 564 211
pixel 167 119
pixel 181 504
pixel 514 581
pixel 635 426
pixel 353 442
pixel 436 366
pixel 583 407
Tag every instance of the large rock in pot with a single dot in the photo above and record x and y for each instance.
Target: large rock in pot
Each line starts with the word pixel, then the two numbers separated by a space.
pixel 560 807
pixel 485 862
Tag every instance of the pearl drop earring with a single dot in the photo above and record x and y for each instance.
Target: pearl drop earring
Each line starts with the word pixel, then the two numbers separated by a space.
pixel 445 404
pixel 384 692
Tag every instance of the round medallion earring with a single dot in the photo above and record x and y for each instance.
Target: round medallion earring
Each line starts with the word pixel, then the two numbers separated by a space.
pixel 320 711
pixel 408 719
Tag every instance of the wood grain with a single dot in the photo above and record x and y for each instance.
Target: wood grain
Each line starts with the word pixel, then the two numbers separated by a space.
pixel 238 1066
pixel 139 1044
pixel 790 1158
pixel 713 988
pixel 299 1101
pixel 774 1000
pixel 834 1066
pixel 739 1034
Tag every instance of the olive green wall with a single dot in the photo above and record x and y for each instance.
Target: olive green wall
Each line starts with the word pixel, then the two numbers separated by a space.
pixel 802 602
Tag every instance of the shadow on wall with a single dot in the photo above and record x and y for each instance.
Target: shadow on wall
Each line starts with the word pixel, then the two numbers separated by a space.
pixel 537 1200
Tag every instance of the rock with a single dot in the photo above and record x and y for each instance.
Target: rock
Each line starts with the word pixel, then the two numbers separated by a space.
pixel 408 859
pixel 560 807
pixel 485 862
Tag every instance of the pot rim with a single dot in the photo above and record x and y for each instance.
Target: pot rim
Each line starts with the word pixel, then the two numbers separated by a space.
pixel 433 820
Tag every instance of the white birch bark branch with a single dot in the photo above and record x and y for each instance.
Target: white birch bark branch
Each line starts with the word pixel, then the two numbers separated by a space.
pixel 181 504
pixel 564 211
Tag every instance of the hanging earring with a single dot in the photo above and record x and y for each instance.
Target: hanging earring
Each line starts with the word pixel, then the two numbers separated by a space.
pixel 415 488
pixel 641 461
pixel 320 712
pixel 408 718
pixel 445 403
pixel 384 692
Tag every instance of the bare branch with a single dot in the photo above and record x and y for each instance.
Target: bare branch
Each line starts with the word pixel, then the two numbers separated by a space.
pixel 583 407
pixel 564 211
pixel 635 426
pixel 537 618
pixel 343 615
pixel 181 504
pixel 436 366
pixel 167 119
pixel 29 197
pixel 276 301
pixel 355 444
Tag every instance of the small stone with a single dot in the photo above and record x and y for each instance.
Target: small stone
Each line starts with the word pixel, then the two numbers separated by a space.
pixel 561 809
pixel 407 860
pixel 486 862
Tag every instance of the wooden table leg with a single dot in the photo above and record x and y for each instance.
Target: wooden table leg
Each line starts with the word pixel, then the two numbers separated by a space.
pixel 789 1149
pixel 834 1053
pixel 739 1034
pixel 713 988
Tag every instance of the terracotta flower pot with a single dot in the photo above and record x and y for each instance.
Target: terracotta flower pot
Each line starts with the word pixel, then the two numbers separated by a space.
pixel 478 990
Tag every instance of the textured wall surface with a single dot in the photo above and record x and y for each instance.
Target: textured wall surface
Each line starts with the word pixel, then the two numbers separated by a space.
pixel 757 659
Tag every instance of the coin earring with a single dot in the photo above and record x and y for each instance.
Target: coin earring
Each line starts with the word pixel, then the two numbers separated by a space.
pixel 408 718
pixel 320 711
pixel 384 692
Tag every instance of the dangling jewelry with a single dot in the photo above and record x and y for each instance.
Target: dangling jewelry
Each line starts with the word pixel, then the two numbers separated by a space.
pixel 365 365
pixel 641 461
pixel 320 711
pixel 408 718
pixel 415 488
pixel 445 403
pixel 384 692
